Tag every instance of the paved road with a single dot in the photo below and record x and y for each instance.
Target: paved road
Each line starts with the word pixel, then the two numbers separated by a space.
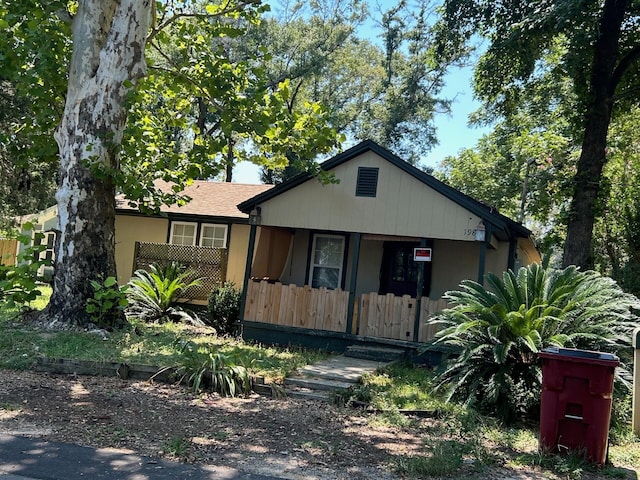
pixel 23 458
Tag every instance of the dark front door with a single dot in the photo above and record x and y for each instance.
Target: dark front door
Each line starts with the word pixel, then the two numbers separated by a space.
pixel 399 272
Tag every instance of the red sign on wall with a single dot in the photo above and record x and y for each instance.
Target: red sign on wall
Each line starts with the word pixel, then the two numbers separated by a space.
pixel 421 254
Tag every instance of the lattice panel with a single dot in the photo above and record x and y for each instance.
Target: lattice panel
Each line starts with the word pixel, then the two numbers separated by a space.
pixel 207 263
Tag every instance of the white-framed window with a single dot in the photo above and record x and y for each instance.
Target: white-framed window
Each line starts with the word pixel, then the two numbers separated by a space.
pixel 183 233
pixel 213 235
pixel 327 255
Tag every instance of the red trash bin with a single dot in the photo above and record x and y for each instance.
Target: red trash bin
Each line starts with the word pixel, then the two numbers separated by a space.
pixel 575 409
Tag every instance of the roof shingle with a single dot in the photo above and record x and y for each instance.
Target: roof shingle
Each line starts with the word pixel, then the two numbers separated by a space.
pixel 212 199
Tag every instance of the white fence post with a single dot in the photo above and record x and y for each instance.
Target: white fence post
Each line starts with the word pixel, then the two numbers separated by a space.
pixel 635 422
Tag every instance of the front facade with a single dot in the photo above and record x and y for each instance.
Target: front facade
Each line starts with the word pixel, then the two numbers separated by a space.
pixel 359 237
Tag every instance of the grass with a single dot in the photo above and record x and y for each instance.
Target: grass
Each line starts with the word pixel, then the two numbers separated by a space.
pixel 139 343
pixel 458 441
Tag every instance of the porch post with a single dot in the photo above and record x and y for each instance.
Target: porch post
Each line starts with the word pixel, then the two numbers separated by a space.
pixel 247 269
pixel 352 281
pixel 419 288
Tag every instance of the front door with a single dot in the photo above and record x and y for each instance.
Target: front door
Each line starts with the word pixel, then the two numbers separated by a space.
pixel 399 272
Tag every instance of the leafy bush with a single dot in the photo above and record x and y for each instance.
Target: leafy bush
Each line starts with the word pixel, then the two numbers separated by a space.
pixel 208 368
pixel 19 282
pixel 108 304
pixel 224 308
pixel 152 294
pixel 496 333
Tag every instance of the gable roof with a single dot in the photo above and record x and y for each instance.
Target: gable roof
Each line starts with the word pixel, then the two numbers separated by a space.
pixel 489 214
pixel 210 199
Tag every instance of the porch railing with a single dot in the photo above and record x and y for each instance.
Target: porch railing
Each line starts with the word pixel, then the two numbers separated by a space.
pixel 206 263
pixel 383 316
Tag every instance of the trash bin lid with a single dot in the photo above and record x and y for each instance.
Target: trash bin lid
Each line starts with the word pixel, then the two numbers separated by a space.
pixel 587 354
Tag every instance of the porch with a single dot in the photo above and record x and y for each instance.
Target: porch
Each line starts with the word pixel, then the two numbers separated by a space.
pixel 323 317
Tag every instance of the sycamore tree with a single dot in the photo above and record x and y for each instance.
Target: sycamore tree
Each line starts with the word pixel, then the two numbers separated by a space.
pixel 97 50
pixel 600 52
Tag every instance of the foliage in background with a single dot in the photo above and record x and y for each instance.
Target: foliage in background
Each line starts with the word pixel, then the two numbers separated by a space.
pixel 223 310
pixel 389 90
pixel 496 332
pixel 108 304
pixel 19 283
pixel 35 48
pixel 153 293
pixel 595 52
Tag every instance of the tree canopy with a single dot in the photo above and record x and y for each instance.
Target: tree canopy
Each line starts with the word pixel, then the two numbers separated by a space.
pixel 594 46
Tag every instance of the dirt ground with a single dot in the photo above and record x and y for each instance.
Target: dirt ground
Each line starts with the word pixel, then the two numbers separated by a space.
pixel 291 438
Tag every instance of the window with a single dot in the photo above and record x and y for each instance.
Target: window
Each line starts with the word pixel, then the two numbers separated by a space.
pixel 327 256
pixel 183 233
pixel 367 184
pixel 213 236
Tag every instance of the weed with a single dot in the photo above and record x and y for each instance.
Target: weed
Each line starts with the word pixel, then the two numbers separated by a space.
pixel 176 446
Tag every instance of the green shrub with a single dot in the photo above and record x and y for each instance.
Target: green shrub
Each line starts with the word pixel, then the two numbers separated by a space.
pixel 224 308
pixel 495 333
pixel 152 294
pixel 108 304
pixel 206 367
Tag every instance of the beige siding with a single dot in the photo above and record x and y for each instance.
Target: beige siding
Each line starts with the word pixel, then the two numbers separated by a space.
pixel 132 229
pixel 238 246
pixel 369 266
pixel 497 261
pixel 403 206
pixel 452 263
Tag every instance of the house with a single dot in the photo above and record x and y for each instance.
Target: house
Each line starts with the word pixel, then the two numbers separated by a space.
pixel 209 234
pixel 44 222
pixel 369 258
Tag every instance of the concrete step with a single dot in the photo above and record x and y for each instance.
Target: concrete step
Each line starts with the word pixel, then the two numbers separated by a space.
pixel 379 354
pixel 341 369
pixel 317 383
pixel 308 394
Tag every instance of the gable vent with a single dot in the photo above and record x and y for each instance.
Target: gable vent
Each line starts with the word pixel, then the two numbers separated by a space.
pixel 367 184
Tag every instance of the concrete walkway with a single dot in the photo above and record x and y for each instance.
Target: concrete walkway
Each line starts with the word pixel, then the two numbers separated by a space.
pixel 317 381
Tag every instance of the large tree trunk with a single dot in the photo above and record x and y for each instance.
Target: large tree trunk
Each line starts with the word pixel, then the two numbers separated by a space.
pixel 577 248
pixel 108 55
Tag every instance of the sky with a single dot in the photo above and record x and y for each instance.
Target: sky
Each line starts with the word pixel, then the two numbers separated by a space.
pixel 453 133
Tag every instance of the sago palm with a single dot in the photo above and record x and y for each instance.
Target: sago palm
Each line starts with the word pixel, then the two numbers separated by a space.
pixel 153 293
pixel 495 333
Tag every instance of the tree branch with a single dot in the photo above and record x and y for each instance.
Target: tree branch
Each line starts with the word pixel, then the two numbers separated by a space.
pixel 629 59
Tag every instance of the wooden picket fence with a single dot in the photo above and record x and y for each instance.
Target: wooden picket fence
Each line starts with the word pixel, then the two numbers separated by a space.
pixel 289 305
pixel 382 316
pixel 388 316
pixel 8 249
